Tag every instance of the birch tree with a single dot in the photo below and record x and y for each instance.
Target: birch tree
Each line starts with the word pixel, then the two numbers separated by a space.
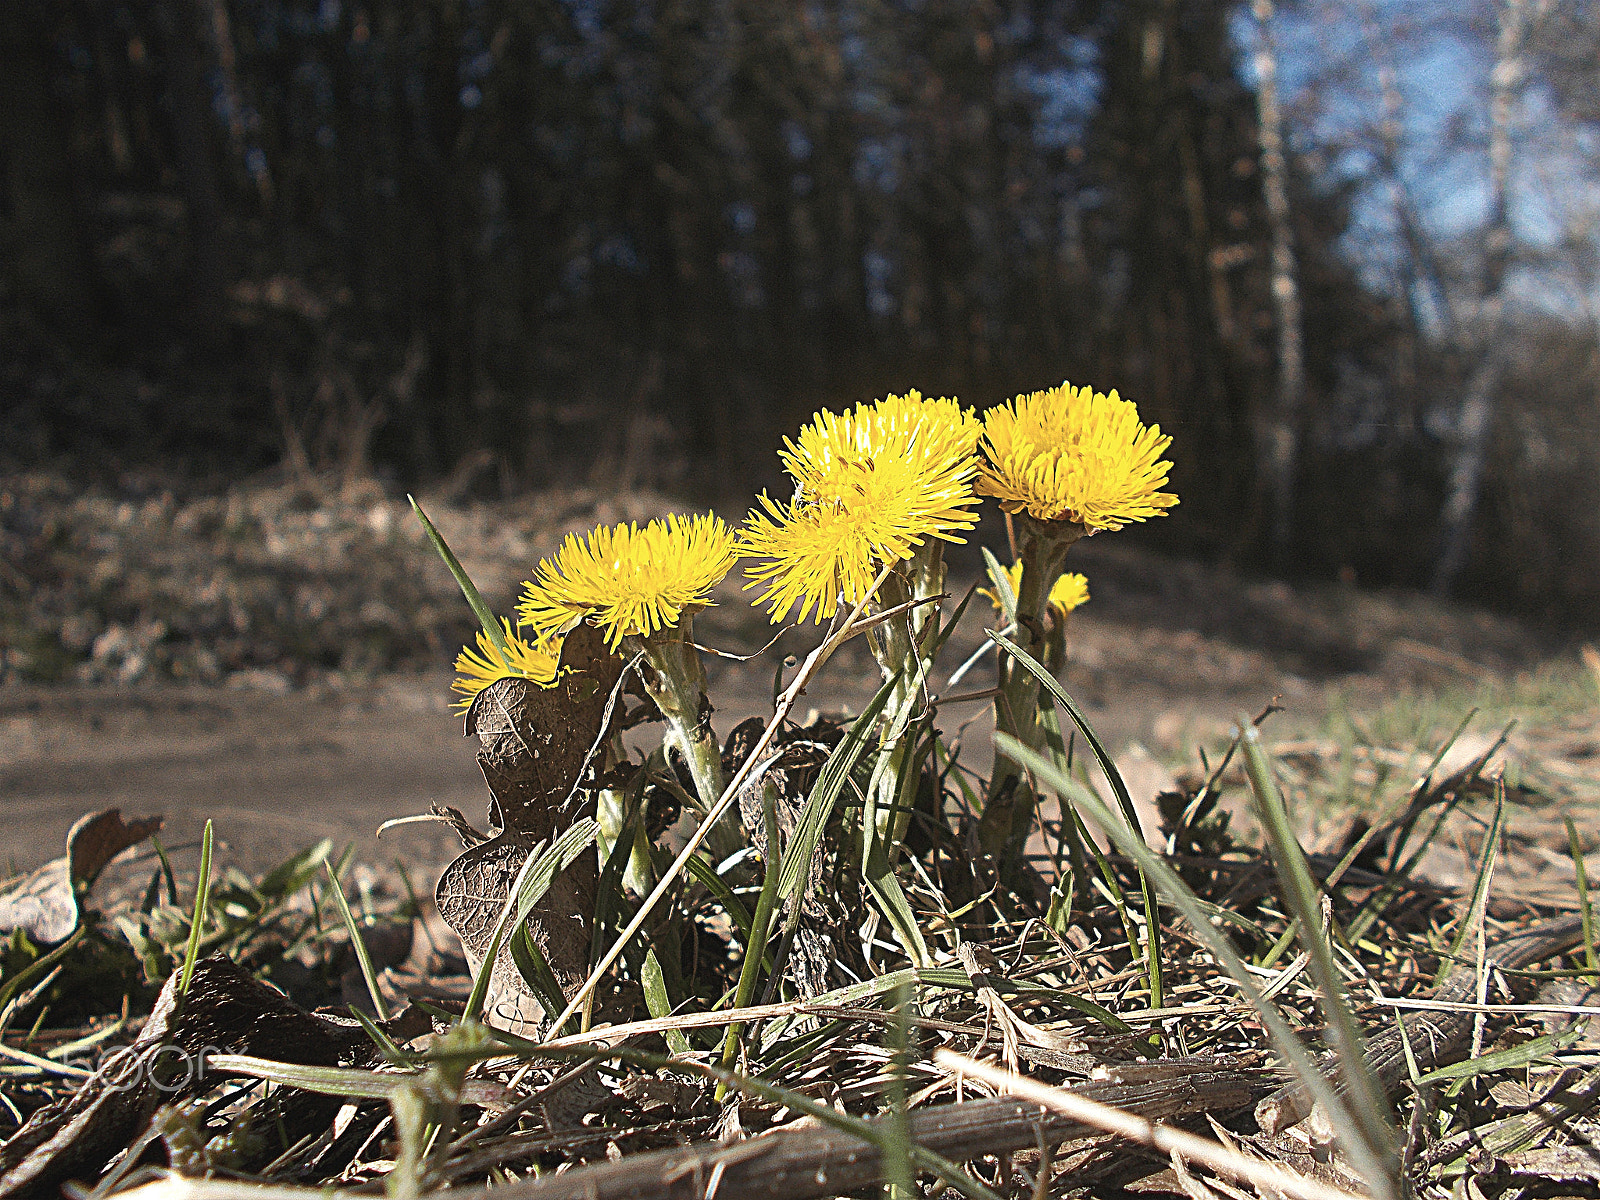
pixel 1475 421
pixel 1280 449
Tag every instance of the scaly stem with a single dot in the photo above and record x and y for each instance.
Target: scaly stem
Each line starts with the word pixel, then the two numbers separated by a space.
pixel 1008 807
pixel 927 581
pixel 898 647
pixel 676 681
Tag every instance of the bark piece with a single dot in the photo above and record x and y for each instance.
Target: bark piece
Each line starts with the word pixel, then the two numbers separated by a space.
pixel 227 1011
pixel 796 1163
pixel 1434 1036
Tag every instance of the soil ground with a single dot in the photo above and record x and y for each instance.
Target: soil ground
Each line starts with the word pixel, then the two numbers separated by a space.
pixel 279 754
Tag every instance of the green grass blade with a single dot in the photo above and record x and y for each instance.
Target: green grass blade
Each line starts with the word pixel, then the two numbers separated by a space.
pixel 1369 1106
pixel 166 869
pixel 937 644
pixel 877 863
pixel 491 624
pixel 1002 586
pixel 552 862
pixel 1119 788
pixel 706 874
pixel 898 1172
pixel 535 971
pixel 610 897
pixel 1112 1023
pixel 1102 756
pixel 892 902
pixel 294 872
pixel 11 988
pixel 202 894
pixel 385 1044
pixel 357 943
pixel 658 1001
pixel 1377 1172
pixel 1512 1059
pixel 760 925
pixel 1407 823
pixel 1070 839
pixel 949 769
pixel 1480 889
pixel 538 871
pixel 818 808
pixel 1585 907
pixel 326 1081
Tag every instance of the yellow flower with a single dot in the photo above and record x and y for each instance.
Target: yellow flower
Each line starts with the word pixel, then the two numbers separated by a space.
pixel 1076 455
pixel 815 554
pixel 871 486
pixel 627 580
pixel 915 455
pixel 1067 593
pixel 478 669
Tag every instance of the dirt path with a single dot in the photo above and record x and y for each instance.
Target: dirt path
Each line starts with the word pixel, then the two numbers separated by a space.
pixel 1166 653
pixel 276 604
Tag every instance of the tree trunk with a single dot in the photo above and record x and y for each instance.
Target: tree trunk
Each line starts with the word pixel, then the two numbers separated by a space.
pixel 197 174
pixel 44 245
pixel 1477 412
pixel 1280 453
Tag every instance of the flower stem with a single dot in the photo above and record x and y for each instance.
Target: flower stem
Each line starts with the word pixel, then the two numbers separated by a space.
pixel 1008 807
pixel 676 681
pixel 898 649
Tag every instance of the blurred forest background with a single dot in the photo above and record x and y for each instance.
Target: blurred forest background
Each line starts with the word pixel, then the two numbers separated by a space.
pixel 1344 250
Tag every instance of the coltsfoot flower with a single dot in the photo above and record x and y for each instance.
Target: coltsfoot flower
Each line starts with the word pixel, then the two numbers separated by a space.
pixel 630 581
pixel 1077 456
pixel 537 661
pixel 872 485
pixel 813 555
pixel 917 452
pixel 1067 593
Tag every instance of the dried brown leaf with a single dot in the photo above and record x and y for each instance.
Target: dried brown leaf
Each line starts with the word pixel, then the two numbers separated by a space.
pixel 44 904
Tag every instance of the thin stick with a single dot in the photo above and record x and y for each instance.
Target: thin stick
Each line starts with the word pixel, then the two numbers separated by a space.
pixel 1570 1010
pixel 1265 1176
pixel 808 669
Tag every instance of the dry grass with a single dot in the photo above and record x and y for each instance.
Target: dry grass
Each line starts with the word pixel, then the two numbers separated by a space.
pixel 1236 1002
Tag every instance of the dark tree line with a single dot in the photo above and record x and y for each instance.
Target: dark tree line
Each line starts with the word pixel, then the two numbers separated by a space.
pixel 519 243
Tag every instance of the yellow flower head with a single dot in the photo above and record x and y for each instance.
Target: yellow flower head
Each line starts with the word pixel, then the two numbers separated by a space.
pixel 477 669
pixel 815 554
pixel 627 580
pixel 871 486
pixel 918 454
pixel 1067 593
pixel 1076 455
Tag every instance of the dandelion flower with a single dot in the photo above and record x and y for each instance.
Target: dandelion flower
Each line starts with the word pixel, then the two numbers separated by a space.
pixel 477 669
pixel 1070 591
pixel 1075 455
pixel 630 581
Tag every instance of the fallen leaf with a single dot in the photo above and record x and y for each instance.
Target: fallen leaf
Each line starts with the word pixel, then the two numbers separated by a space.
pixel 44 904
pixel 535 741
pixel 536 746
